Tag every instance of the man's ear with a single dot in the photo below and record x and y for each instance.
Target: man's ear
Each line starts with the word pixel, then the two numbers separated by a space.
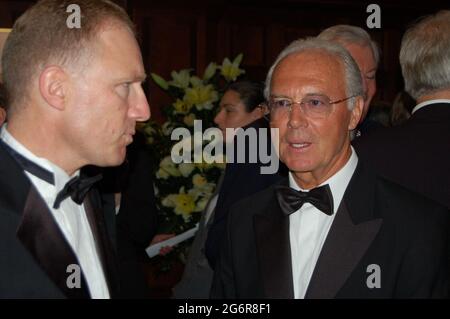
pixel 53 86
pixel 259 111
pixel 2 115
pixel 356 113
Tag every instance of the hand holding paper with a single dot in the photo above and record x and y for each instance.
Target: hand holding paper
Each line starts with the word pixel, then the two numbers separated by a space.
pixel 154 249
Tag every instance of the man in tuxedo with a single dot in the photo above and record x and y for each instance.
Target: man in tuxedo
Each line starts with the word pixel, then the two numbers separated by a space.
pixel 74 96
pixel 416 154
pixel 366 54
pixel 332 229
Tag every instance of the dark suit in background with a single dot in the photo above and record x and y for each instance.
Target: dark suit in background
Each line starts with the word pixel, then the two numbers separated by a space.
pixel 415 154
pixel 197 275
pixel 240 181
pixel 377 223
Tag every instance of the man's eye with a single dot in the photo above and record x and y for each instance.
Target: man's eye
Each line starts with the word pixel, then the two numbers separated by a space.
pixel 315 102
pixel 281 103
pixel 124 89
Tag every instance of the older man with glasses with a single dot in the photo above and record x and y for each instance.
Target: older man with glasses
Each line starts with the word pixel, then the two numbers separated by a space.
pixel 366 54
pixel 332 229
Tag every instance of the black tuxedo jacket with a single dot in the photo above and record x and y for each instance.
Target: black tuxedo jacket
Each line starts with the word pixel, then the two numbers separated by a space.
pixel 415 154
pixel 34 255
pixel 136 222
pixel 377 223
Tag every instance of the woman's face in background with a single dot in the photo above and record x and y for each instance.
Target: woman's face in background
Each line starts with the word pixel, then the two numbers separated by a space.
pixel 233 114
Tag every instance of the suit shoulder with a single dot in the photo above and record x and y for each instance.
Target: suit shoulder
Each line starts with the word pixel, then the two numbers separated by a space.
pixel 379 140
pixel 407 204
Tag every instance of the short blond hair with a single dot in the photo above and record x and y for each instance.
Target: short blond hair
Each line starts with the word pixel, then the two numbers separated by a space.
pixel 41 37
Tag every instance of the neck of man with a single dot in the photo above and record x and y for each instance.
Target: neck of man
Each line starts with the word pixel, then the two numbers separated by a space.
pixel 443 94
pixel 43 140
pixel 310 180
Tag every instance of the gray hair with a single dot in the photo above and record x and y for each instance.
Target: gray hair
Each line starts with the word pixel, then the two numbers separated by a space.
pixel 425 55
pixel 349 34
pixel 352 74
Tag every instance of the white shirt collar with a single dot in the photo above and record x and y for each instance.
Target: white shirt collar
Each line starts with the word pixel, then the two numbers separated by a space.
pixel 61 177
pixel 338 182
pixel 421 105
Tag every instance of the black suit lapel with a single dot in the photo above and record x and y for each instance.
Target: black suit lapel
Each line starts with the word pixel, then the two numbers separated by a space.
pixel 344 247
pixel 41 236
pixel 351 234
pixel 274 252
pixel 37 230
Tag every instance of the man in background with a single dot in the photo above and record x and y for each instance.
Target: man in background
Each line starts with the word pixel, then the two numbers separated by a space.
pixel 366 54
pixel 416 154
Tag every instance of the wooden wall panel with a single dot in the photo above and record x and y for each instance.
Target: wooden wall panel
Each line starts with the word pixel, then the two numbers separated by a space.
pixel 10 10
pixel 173 46
pixel 249 40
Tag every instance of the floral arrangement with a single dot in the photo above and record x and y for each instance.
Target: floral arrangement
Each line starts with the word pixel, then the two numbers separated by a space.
pixel 183 190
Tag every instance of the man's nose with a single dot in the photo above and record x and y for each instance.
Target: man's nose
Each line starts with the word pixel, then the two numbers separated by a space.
pixel 296 116
pixel 140 109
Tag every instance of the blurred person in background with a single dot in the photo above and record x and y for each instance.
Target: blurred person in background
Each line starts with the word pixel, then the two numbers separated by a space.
pixel 416 154
pixel 366 54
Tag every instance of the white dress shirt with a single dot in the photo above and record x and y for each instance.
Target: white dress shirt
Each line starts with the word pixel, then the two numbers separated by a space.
pixel 421 105
pixel 70 217
pixel 309 227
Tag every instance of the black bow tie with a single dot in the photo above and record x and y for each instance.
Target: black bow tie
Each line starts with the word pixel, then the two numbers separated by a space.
pixel 77 187
pixel 291 200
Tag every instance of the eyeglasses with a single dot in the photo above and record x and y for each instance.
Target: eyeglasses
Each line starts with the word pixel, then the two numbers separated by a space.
pixel 313 106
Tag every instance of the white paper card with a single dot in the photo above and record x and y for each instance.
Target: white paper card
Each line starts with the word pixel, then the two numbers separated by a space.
pixel 154 249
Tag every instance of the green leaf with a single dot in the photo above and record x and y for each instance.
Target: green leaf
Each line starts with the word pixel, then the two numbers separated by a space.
pixel 160 81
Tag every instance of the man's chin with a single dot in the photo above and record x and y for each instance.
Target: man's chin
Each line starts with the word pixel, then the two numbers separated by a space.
pixel 299 166
pixel 115 160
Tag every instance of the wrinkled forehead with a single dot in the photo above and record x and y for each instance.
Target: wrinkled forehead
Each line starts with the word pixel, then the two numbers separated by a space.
pixel 309 68
pixel 310 61
pixel 117 48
